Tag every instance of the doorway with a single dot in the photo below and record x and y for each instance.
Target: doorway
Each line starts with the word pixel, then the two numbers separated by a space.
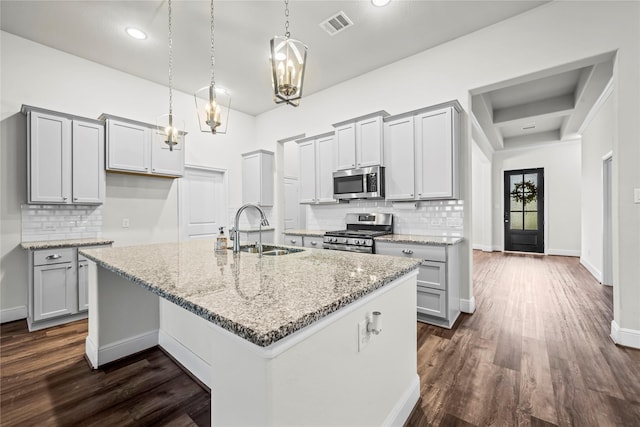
pixel 202 202
pixel 524 210
pixel 607 222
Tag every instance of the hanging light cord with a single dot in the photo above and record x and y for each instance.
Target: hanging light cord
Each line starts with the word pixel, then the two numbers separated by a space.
pixel 213 58
pixel 286 14
pixel 170 63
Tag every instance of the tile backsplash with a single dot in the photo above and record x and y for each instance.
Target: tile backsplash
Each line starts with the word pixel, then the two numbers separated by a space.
pixel 58 222
pixel 432 218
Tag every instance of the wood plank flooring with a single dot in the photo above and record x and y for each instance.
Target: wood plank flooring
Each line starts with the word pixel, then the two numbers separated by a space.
pixel 536 353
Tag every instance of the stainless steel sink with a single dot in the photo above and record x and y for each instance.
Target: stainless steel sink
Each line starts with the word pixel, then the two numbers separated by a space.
pixel 277 252
pixel 269 250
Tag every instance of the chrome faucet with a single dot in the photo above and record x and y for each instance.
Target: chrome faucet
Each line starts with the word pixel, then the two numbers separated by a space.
pixel 236 233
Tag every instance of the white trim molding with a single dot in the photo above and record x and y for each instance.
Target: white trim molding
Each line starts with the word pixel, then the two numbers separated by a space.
pixel 402 409
pixel 187 358
pixel 563 252
pixel 468 305
pixel 625 337
pixel 483 248
pixel 119 349
pixel 591 269
pixel 13 313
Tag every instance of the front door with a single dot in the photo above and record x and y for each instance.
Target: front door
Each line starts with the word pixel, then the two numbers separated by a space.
pixel 524 210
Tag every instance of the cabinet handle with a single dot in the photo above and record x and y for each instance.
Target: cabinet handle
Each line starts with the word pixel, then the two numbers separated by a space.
pixel 75 198
pixel 314 243
pixel 411 194
pixel 54 256
pixel 68 267
pixel 64 198
pixel 80 265
pixel 407 251
pixel 293 241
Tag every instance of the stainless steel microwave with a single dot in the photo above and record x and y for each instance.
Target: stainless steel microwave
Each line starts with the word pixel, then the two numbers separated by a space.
pixel 361 183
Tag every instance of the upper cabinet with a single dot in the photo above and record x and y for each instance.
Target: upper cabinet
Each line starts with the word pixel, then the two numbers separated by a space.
pixel 317 163
pixel 432 137
pixel 257 177
pixel 138 148
pixel 359 141
pixel 65 158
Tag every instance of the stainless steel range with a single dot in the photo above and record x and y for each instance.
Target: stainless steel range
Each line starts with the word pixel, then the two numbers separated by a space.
pixel 361 229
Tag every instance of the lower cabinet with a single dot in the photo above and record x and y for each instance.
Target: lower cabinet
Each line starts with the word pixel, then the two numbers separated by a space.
pixel 307 241
pixel 438 293
pixel 293 240
pixel 58 285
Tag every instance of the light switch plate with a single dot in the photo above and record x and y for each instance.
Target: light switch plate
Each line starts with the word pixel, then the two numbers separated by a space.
pixel 636 195
pixel 125 222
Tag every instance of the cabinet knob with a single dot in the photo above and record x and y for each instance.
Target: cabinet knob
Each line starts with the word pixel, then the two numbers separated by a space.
pixel 411 194
pixel 314 243
pixel 293 241
pixel 75 198
pixel 407 251
pixel 64 198
pixel 80 265
pixel 68 267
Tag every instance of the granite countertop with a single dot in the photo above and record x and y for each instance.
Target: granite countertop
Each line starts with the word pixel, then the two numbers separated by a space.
pixel 70 243
pixel 303 232
pixel 421 240
pixel 259 299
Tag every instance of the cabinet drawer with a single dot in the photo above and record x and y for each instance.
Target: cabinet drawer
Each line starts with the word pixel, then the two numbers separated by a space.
pixel 433 275
pixel 53 256
pixel 313 242
pixel 427 252
pixel 293 240
pixel 432 302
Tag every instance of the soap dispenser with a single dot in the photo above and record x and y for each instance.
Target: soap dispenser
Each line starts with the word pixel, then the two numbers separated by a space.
pixel 221 242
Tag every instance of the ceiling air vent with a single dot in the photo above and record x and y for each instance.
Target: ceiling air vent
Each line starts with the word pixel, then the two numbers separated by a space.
pixel 337 23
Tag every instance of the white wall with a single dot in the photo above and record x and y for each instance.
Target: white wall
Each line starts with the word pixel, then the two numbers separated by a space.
pixel 597 141
pixel 36 75
pixel 481 190
pixel 562 189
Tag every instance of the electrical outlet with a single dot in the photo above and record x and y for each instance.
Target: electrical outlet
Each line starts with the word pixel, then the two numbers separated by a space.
pixel 125 222
pixel 363 335
pixel 636 195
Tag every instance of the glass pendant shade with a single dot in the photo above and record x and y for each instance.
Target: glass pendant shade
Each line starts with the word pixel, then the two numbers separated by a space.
pixel 212 106
pixel 170 129
pixel 288 61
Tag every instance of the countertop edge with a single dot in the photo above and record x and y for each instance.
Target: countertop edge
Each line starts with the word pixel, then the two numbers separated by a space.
pixel 36 245
pixel 420 240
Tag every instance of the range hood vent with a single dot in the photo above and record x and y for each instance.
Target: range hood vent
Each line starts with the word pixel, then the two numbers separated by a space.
pixel 337 23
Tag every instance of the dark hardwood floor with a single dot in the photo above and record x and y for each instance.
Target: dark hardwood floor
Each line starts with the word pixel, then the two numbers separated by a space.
pixel 536 352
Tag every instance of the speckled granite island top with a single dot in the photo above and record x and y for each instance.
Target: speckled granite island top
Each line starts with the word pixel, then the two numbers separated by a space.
pixel 70 243
pixel 259 299
pixel 420 240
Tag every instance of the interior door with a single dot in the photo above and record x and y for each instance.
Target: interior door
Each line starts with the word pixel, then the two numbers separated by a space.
pixel 524 210
pixel 203 203
pixel 291 204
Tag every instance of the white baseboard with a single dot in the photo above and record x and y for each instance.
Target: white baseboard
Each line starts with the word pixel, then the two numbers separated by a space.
pixel 563 252
pixel 484 248
pixel 13 313
pixel 200 368
pixel 594 271
pixel 119 349
pixel 625 337
pixel 497 248
pixel 402 409
pixel 468 305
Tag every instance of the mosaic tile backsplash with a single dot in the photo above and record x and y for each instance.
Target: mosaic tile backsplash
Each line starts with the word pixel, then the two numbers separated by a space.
pixel 59 222
pixel 433 218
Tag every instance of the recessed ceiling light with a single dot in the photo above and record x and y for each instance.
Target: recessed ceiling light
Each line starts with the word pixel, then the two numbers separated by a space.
pixel 136 33
pixel 380 3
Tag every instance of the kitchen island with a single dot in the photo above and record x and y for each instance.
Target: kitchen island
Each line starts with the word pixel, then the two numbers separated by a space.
pixel 280 340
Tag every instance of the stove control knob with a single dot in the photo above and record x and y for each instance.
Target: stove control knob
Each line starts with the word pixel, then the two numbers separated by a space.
pixel 356 242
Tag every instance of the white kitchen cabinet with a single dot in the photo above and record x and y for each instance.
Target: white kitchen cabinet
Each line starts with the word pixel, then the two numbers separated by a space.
pixel 293 240
pixel 257 177
pixel 139 148
pixel 431 137
pixel 58 285
pixel 65 158
pixel 437 151
pixel 317 163
pixel 314 242
pixel 359 141
pixel 438 286
pixel 398 157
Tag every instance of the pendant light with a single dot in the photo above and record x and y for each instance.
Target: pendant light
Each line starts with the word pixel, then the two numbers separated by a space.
pixel 167 124
pixel 288 61
pixel 211 112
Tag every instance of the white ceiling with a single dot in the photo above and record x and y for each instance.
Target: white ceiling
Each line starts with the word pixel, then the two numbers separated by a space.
pixel 547 106
pixel 95 30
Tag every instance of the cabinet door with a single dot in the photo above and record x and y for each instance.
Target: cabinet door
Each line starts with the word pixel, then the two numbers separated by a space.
pixel 54 291
pixel 127 147
pixel 369 142
pixel 345 140
pixel 293 240
pixel 306 151
pixel 165 161
pixel 433 275
pixel 325 165
pixel 313 242
pixel 83 285
pixel 88 162
pixel 398 158
pixel 432 302
pixel 434 153
pixel 49 158
pixel 251 179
